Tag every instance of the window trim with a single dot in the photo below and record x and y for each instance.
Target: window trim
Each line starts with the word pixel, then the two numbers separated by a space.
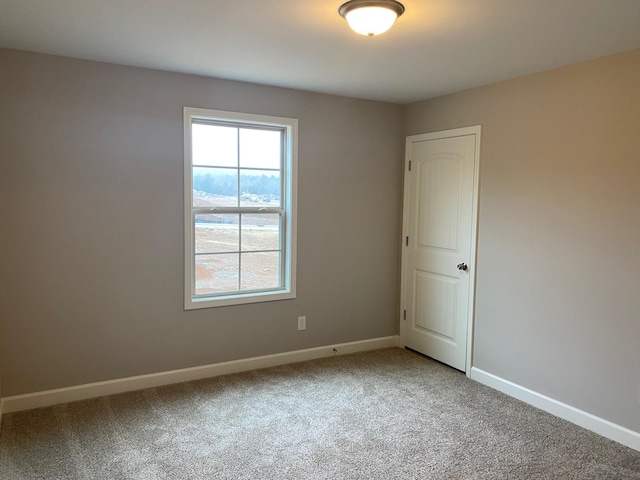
pixel 289 177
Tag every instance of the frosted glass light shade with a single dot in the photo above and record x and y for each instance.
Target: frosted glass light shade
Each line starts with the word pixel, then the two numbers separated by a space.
pixel 370 17
pixel 371 20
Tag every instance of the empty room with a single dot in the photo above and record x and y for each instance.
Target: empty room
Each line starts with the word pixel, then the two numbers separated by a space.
pixel 329 239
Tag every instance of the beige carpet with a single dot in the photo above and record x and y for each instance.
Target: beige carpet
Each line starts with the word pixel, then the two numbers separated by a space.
pixel 376 415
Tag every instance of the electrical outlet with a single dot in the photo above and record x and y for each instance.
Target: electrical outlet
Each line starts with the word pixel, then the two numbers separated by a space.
pixel 302 323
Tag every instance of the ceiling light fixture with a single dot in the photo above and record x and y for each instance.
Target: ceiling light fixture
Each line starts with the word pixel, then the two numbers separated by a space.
pixel 371 17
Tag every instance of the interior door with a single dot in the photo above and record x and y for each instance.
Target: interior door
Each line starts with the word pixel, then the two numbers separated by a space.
pixel 439 253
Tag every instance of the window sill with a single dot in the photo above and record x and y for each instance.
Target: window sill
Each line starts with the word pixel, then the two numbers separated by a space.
pixel 241 299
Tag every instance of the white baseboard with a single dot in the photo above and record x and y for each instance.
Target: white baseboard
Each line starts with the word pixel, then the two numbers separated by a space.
pixel 574 415
pixel 98 389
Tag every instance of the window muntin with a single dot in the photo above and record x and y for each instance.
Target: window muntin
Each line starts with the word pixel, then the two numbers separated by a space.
pixel 239 208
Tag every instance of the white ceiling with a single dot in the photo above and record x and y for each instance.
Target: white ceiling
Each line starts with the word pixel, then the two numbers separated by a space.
pixel 436 47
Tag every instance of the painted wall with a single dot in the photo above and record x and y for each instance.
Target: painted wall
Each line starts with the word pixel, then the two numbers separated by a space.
pixel 558 309
pixel 91 201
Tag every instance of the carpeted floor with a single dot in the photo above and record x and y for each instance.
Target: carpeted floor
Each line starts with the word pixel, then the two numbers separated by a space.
pixel 376 415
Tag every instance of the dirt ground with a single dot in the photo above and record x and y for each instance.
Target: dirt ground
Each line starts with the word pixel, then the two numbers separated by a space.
pixel 236 252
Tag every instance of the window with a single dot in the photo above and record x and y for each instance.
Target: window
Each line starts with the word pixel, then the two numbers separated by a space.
pixel 240 218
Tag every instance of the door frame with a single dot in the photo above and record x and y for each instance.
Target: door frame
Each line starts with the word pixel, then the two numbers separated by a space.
pixel 457 132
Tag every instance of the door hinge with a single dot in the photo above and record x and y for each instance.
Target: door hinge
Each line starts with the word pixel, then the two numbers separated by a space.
pixel 404 315
pixel 406 242
pixel 409 165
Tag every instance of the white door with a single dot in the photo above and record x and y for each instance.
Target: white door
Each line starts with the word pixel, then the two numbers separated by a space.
pixel 440 211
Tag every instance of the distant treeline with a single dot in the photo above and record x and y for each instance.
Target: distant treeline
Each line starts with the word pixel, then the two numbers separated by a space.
pixel 228 184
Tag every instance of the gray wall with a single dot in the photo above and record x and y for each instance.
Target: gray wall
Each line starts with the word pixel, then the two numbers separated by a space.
pixel 558 309
pixel 91 200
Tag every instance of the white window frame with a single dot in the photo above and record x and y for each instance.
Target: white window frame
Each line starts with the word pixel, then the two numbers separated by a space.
pixel 289 202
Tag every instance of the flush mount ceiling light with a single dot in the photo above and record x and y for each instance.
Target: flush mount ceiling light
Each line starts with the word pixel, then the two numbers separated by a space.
pixel 371 17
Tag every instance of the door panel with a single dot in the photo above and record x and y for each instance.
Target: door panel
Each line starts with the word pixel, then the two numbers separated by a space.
pixel 438 207
pixel 440 226
pixel 435 305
